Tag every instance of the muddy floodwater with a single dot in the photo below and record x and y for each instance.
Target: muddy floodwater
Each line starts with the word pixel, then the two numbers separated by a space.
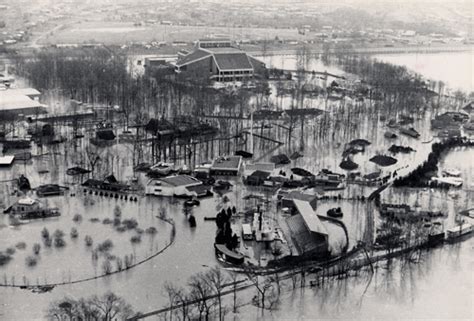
pixel 393 292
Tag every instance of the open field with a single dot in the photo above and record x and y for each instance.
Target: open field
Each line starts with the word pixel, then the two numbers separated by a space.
pixel 111 33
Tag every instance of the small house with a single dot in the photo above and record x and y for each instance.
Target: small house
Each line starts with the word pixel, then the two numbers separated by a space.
pixel 226 166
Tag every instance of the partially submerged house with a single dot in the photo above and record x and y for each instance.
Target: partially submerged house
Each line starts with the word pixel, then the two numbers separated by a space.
pixel 226 166
pixel 20 101
pixel 108 184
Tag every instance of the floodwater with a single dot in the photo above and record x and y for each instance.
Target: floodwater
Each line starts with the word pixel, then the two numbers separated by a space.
pixel 392 293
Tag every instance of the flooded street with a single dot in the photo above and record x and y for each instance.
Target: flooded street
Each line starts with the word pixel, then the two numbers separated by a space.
pixel 412 291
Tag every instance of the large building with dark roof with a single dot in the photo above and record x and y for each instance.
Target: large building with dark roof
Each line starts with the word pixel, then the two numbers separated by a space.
pixel 308 233
pixel 218 60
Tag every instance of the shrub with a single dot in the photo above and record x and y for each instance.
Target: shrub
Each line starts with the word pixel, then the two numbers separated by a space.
pixel 119 263
pixel 121 228
pixel 117 212
pixel 88 240
pixel 106 221
pixel 128 261
pixel 14 221
pixel 4 258
pixel 58 234
pixel 10 251
pixel 77 218
pixel 151 230
pixel 105 246
pixel 74 233
pixel 48 242
pixel 139 230
pixel 130 224
pixel 107 267
pixel 20 245
pixel 94 220
pixel 117 221
pixel 31 261
pixel 136 239
pixel 36 248
pixel 59 242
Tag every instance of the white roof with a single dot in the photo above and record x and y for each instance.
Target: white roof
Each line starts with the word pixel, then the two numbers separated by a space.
pixel 6 160
pixel 26 201
pixel 11 99
pixel 247 228
pixel 21 91
pixel 312 220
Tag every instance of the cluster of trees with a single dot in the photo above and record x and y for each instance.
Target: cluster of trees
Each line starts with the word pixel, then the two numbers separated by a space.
pixel 107 307
pixel 225 235
pixel 394 84
pixel 203 297
pixel 420 176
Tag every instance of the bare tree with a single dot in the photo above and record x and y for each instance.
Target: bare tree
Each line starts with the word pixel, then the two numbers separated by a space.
pixel 201 293
pixel 216 280
pixel 107 307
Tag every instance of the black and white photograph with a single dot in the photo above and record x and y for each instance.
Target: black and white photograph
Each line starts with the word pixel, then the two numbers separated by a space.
pixel 239 160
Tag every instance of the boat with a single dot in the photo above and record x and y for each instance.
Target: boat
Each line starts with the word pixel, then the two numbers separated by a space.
pixel 451 172
pixel 459 230
pixel 335 212
pixel 227 255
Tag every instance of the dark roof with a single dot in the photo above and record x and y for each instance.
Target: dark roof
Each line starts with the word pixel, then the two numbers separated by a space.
pixel 231 61
pixel 105 134
pixel 199 189
pixel 260 174
pixel 193 56
pixel 301 235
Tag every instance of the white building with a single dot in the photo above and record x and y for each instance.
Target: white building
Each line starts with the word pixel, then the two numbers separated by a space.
pixel 179 185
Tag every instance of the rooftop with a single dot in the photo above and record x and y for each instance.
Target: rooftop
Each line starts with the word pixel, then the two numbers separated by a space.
pixel 192 57
pixel 181 180
pixel 227 162
pixel 26 201
pixel 312 221
pixel 6 160
pixel 21 91
pixel 12 99
pixel 232 61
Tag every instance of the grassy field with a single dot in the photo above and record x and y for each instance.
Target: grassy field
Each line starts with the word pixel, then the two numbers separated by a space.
pixel 115 33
